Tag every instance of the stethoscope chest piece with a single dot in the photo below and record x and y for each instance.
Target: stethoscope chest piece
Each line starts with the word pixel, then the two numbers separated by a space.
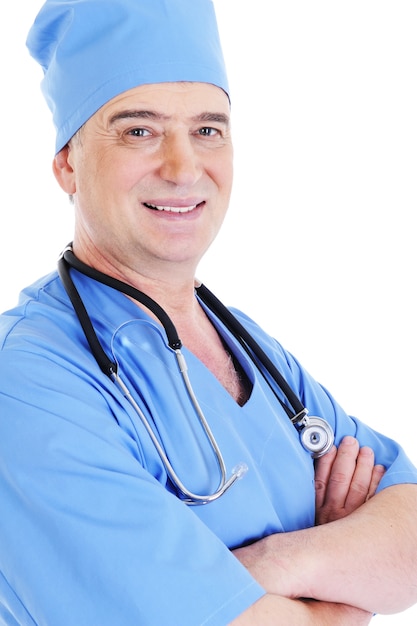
pixel 316 436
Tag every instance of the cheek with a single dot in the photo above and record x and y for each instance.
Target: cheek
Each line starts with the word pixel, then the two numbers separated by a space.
pixel 103 178
pixel 220 170
pixel 224 178
pixel 121 173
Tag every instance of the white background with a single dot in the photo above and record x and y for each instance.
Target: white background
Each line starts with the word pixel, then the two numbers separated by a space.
pixel 319 243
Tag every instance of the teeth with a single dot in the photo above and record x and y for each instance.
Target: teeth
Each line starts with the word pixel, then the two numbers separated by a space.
pixel 172 209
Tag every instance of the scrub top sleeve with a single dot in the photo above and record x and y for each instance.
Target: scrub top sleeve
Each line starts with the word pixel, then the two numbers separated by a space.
pixel 87 534
pixel 399 468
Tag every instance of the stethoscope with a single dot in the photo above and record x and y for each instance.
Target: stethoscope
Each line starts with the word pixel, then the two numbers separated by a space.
pixel 316 434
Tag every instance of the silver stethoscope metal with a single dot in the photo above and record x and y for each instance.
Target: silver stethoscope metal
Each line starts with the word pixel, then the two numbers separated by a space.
pixel 316 434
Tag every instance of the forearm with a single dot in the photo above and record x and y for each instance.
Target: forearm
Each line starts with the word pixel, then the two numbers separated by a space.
pixel 273 610
pixel 367 559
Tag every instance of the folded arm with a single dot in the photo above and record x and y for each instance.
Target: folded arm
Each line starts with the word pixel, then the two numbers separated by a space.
pixel 274 610
pixel 365 556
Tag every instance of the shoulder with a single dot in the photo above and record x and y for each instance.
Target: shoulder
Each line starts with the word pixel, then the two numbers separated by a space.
pixel 272 346
pixel 35 305
pixel 41 343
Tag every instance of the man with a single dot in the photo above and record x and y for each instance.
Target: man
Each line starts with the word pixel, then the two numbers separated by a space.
pixel 96 528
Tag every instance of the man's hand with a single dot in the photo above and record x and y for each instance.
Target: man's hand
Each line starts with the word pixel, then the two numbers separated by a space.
pixel 345 478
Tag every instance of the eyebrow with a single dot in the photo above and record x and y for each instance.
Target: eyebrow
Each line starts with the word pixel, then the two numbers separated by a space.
pixel 144 114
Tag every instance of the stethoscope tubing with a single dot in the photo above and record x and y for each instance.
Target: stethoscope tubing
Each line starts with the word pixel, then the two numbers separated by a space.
pixel 312 430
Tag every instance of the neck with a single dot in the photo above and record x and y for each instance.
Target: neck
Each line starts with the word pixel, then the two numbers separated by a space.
pixel 172 290
pixel 170 284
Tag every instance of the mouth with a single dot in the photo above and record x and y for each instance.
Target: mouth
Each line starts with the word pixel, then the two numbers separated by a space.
pixel 173 209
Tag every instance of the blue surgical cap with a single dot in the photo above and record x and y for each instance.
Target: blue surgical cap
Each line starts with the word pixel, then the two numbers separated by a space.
pixel 92 50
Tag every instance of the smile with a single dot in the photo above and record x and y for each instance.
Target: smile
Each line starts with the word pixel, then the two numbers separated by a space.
pixel 171 209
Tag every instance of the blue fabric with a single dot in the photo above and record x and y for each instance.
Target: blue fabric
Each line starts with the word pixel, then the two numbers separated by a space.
pixel 90 532
pixel 92 50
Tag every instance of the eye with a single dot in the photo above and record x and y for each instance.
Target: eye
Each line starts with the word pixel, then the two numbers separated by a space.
pixel 139 132
pixel 208 131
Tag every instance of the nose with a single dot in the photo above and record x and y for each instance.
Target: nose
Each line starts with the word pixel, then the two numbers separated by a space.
pixel 180 162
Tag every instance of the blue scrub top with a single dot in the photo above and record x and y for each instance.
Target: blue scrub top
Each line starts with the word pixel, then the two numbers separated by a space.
pixel 91 531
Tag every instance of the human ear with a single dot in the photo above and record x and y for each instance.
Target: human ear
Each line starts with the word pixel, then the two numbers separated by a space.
pixel 63 170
